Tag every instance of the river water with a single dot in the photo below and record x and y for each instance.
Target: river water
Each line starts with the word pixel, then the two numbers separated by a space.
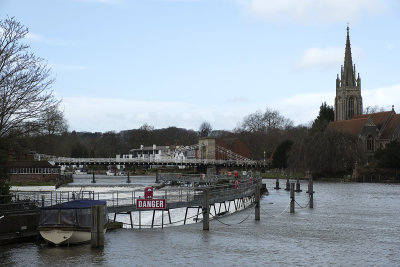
pixel 351 224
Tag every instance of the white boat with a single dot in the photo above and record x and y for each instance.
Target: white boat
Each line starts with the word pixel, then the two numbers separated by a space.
pixel 111 173
pixel 69 222
pixel 80 171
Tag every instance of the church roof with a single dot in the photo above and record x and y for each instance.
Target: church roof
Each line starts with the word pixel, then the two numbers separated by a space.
pixel 353 126
pixel 387 122
pixel 378 118
pixel 391 127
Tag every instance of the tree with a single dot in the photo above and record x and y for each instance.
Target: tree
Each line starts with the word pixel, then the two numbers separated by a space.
pixel 205 129
pixel 52 121
pixel 79 151
pixel 325 116
pixel 24 82
pixel 373 109
pixel 389 157
pixel 264 122
pixel 327 152
pixel 4 188
pixel 279 158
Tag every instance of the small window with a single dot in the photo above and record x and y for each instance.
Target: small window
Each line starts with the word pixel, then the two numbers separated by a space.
pixel 370 143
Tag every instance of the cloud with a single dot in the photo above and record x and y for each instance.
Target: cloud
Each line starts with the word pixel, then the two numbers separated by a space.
pixel 33 37
pixel 327 57
pixel 383 97
pixel 106 114
pixel 115 114
pixel 313 11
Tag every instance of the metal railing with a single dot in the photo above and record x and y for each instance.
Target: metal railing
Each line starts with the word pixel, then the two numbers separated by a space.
pixel 175 197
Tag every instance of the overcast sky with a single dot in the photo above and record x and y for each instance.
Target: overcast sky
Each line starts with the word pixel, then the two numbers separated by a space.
pixel 121 63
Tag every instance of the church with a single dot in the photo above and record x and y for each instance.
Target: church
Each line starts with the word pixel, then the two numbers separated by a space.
pixel 374 130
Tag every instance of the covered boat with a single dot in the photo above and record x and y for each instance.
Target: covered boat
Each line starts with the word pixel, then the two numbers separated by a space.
pixel 69 222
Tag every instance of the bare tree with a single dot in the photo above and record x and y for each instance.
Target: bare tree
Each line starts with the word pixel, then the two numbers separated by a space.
pixel 52 121
pixel 205 129
pixel 24 82
pixel 263 122
pixel 254 122
pixel 373 109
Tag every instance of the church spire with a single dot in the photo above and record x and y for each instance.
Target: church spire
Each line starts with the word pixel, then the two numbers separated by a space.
pixel 348 100
pixel 348 78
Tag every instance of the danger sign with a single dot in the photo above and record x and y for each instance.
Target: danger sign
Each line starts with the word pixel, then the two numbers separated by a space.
pixel 150 204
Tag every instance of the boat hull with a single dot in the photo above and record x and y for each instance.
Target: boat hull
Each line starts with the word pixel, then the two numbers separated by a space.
pixel 62 236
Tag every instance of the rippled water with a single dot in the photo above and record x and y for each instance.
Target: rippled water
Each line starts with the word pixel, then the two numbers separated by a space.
pixel 351 224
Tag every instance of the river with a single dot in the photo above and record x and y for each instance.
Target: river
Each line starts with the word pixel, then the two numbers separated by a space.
pixel 351 224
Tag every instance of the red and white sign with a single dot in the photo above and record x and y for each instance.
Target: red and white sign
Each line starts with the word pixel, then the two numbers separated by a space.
pixel 150 204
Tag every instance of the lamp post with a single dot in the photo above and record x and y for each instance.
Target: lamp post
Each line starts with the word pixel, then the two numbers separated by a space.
pixel 264 158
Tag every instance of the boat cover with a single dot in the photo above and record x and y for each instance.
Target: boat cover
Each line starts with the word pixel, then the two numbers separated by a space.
pixel 72 213
pixel 76 204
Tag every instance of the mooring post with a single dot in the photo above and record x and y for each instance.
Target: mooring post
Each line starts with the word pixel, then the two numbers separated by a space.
pixel 298 185
pixel 206 209
pixel 42 200
pixel 311 192
pixel 257 204
pixel 287 185
pixel 277 183
pixel 93 180
pixel 128 180
pixel 157 173
pixel 291 197
pixel 97 233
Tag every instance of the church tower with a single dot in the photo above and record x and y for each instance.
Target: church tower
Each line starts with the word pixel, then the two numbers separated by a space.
pixel 348 100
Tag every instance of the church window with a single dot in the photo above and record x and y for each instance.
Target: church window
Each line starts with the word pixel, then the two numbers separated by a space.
pixel 351 107
pixel 370 143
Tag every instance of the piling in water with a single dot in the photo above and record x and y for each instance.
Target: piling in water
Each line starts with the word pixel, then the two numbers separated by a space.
pixel 97 233
pixel 292 198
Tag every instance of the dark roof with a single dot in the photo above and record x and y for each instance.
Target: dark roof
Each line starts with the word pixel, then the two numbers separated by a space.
pixel 391 127
pixel 76 204
pixel 29 164
pixel 353 126
pixel 378 118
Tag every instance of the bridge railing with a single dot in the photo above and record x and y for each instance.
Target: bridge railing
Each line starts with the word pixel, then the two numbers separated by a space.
pixel 162 161
pixel 178 195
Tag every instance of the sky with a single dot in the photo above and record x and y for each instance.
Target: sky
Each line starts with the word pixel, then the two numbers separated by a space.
pixel 119 64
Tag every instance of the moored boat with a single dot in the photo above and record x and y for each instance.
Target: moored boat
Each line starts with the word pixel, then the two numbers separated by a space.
pixel 69 222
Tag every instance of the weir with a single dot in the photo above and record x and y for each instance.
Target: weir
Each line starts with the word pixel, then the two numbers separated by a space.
pixel 200 193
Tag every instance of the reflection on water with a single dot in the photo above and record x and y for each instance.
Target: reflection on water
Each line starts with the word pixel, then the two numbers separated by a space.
pixel 351 224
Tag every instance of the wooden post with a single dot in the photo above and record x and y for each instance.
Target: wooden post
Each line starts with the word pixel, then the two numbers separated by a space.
pixel 287 185
pixel 128 180
pixel 93 180
pixel 257 204
pixel 130 214
pixel 206 209
pixel 291 197
pixel 162 219
pixel 311 192
pixel 298 185
pixel 97 233
pixel 42 200
pixel 277 183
